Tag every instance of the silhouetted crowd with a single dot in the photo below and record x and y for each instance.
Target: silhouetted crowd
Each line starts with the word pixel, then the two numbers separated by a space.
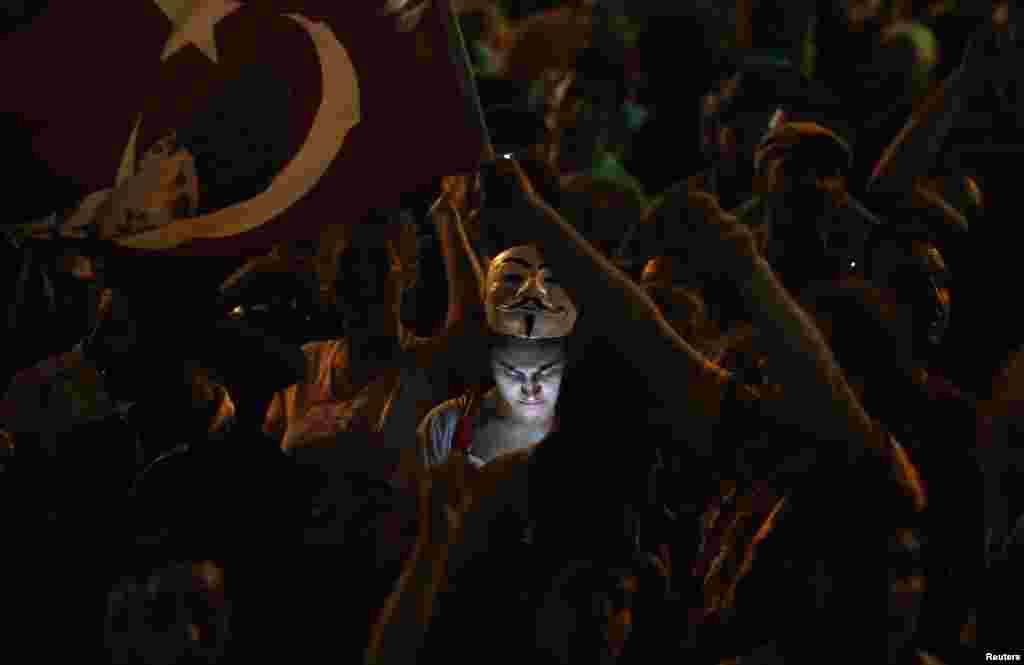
pixel 684 373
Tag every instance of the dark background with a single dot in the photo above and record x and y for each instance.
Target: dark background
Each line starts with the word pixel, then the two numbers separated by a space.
pixel 680 59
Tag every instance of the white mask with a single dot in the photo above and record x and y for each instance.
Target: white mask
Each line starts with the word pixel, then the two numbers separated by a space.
pixel 523 299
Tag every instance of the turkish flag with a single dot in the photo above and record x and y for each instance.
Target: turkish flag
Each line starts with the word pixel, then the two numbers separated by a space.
pixel 377 104
pixel 65 111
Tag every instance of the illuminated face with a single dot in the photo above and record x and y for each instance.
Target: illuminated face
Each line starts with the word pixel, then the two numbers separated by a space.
pixel 165 188
pixel 524 299
pixel 529 377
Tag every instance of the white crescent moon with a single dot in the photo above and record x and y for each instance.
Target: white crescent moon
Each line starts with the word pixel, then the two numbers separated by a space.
pixel 337 115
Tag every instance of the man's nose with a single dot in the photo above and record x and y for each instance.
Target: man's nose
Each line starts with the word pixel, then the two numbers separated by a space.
pixel 531 389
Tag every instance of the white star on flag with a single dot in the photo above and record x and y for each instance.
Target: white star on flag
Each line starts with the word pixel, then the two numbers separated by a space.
pixel 193 24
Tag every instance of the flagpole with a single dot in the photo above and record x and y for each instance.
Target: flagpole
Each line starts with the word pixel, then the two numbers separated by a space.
pixel 460 56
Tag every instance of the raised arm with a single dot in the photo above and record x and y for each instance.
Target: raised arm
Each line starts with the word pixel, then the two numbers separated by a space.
pixel 925 197
pixel 610 302
pixel 915 149
pixel 817 398
pixel 643 239
pixel 464 302
pixel 449 353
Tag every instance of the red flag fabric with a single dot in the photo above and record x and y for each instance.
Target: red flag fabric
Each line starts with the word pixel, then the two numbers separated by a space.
pixel 70 79
pixel 375 107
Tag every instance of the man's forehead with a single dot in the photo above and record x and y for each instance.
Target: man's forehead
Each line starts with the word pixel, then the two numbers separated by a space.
pixel 529 356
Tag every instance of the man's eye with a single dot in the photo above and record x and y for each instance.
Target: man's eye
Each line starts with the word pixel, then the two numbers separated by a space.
pixel 513 280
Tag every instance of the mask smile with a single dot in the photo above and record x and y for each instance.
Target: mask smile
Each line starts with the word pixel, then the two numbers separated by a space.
pixel 532 305
pixel 524 301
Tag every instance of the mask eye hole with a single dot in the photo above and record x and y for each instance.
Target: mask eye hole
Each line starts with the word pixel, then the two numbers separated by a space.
pixel 513 279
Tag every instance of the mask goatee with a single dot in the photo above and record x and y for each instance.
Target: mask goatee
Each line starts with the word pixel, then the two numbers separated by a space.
pixel 530 320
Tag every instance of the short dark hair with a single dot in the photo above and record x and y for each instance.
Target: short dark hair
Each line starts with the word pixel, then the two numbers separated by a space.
pixel 498 341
